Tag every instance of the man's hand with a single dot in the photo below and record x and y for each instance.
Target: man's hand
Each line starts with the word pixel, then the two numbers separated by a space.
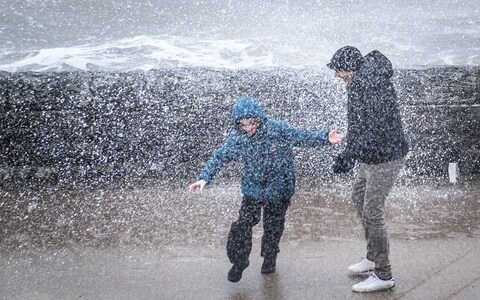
pixel 197 186
pixel 334 137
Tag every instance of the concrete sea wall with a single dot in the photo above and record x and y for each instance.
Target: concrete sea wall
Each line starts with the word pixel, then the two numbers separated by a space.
pixel 102 127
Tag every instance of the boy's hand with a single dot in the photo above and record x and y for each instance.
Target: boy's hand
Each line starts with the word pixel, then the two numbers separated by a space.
pixel 334 137
pixel 197 186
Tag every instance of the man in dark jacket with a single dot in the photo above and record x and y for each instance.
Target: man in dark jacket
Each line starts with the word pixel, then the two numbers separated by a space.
pixel 268 180
pixel 376 140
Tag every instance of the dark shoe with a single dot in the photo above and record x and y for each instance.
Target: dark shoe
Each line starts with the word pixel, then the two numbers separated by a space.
pixel 235 273
pixel 268 266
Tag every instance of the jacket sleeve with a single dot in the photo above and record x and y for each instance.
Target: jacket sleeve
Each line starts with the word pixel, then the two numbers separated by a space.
pixel 220 157
pixel 355 119
pixel 305 138
pixel 345 161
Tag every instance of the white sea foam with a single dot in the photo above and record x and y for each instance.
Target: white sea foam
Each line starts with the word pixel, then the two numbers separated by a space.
pixel 150 52
pixel 144 52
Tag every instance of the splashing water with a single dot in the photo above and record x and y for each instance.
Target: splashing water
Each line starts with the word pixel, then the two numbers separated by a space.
pixel 123 35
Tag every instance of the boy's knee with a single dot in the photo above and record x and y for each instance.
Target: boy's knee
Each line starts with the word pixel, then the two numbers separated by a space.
pixel 246 223
pixel 254 221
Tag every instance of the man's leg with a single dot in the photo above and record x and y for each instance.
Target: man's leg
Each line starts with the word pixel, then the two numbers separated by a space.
pixel 380 180
pixel 358 198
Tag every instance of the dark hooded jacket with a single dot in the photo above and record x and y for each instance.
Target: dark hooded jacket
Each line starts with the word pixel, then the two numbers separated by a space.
pixel 375 131
pixel 268 171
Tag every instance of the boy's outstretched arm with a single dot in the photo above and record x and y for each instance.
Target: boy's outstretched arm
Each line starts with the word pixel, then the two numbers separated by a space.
pixel 197 186
pixel 221 156
pixel 311 138
pixel 334 137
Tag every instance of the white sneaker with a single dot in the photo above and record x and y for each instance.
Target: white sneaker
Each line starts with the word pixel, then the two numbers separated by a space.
pixel 365 265
pixel 373 284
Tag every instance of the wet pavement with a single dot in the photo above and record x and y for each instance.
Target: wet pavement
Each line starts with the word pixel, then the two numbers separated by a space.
pixel 159 243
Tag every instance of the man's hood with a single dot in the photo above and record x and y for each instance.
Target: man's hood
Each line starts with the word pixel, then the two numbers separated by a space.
pixel 376 64
pixel 247 108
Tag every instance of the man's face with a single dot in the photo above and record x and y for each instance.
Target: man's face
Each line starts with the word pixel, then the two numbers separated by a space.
pixel 345 75
pixel 249 125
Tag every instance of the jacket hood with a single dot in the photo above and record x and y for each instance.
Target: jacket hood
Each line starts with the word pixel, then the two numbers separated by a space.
pixel 376 64
pixel 347 58
pixel 247 108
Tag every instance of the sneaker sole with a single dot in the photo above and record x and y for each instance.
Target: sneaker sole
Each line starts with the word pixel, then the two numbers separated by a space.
pixel 361 273
pixel 373 291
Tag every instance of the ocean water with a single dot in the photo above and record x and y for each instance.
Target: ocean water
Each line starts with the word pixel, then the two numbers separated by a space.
pixel 124 35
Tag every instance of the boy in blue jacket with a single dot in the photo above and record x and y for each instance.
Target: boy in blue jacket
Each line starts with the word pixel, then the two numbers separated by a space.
pixel 268 180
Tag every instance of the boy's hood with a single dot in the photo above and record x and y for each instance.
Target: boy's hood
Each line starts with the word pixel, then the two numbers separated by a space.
pixel 247 108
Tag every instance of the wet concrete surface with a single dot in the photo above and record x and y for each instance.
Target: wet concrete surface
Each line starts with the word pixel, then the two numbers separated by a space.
pixel 153 242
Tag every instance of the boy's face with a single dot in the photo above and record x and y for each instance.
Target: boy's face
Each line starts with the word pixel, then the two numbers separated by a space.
pixel 345 75
pixel 249 125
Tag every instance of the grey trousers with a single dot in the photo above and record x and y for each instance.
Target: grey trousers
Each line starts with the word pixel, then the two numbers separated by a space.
pixel 370 190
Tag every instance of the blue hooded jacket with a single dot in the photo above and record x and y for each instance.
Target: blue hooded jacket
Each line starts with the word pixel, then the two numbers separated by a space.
pixel 268 171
